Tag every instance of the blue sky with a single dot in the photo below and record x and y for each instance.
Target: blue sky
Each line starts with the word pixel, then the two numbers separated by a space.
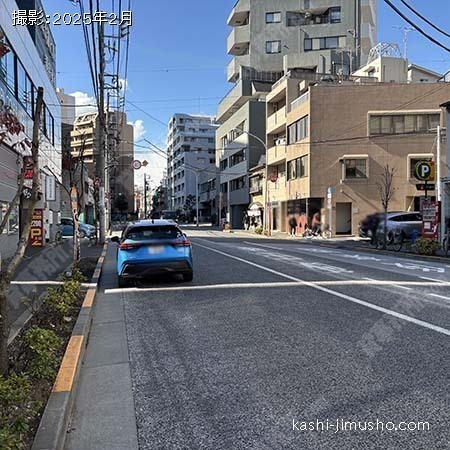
pixel 178 57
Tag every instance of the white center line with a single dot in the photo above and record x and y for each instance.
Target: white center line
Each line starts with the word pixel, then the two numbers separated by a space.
pixel 349 298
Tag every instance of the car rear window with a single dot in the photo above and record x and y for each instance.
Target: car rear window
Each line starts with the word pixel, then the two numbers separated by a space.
pixel 153 232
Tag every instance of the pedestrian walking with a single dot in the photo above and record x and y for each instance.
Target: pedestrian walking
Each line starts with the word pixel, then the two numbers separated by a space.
pixel 292 226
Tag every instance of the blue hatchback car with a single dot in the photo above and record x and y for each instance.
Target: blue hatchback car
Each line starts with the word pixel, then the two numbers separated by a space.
pixel 152 247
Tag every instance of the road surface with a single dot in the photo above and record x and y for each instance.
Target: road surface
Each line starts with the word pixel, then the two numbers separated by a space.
pixel 276 344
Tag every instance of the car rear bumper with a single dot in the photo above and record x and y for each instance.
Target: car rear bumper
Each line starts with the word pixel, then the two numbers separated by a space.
pixel 142 270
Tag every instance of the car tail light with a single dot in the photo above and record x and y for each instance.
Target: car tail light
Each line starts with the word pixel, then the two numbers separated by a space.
pixel 125 246
pixel 181 243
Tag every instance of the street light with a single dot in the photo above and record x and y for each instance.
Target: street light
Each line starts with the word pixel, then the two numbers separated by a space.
pixel 196 172
pixel 266 184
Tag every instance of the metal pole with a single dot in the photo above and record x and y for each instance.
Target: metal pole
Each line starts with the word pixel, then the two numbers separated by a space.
pixel 439 185
pixel 145 196
pixel 196 197
pixel 101 153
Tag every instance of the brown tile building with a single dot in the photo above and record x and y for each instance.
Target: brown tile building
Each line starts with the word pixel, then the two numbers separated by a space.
pixel 333 139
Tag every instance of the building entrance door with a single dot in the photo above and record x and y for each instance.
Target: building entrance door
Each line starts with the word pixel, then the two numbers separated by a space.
pixel 344 218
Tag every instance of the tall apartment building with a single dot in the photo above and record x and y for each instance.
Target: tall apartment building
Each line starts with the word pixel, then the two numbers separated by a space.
pixel 328 153
pixel 21 73
pixel 120 154
pixel 191 161
pixel 268 39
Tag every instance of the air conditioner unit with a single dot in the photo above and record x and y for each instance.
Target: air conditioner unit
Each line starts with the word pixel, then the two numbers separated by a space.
pixel 281 141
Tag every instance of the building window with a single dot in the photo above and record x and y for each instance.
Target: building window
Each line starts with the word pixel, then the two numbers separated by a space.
pixel 238 183
pixel 298 130
pixel 237 158
pixel 402 124
pixel 297 168
pixel 355 168
pixel 273 17
pixel 273 46
pixel 224 188
pixel 335 14
pixel 322 43
pixel 224 164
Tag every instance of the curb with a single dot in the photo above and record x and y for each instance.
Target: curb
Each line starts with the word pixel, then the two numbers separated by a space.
pixel 52 431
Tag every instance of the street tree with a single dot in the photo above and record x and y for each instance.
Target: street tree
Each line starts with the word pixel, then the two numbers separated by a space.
pixel 386 189
pixel 8 271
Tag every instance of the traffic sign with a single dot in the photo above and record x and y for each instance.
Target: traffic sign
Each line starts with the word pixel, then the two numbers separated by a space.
pixel 425 187
pixel 145 163
pixel 424 171
pixel 136 164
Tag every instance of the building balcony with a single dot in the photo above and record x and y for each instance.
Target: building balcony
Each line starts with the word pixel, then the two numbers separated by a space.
pixel 276 154
pixel 88 132
pixel 240 13
pixel 277 121
pixel 244 90
pixel 234 67
pixel 238 41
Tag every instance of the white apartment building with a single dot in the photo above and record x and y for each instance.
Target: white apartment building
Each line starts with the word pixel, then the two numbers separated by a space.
pixel 268 39
pixel 191 161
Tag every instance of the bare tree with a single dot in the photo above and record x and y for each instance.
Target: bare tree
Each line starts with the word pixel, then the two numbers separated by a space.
pixel 8 272
pixel 386 190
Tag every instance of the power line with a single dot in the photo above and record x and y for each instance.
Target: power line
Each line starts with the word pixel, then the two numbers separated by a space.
pixel 407 19
pixel 148 114
pixel 429 22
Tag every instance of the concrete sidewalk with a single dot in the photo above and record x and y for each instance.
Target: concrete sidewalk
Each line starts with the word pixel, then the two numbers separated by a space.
pixel 103 416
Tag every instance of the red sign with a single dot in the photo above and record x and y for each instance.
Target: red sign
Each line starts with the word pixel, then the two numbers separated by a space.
pixel 430 219
pixel 37 229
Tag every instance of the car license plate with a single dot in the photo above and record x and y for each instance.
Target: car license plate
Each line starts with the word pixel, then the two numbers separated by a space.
pixel 157 249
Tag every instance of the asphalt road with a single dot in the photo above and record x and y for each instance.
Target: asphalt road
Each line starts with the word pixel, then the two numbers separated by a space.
pixel 274 336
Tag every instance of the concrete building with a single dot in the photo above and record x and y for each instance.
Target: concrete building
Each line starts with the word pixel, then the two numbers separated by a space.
pixel 74 171
pixel 120 151
pixel 21 73
pixel 335 140
pixel 387 65
pixel 191 160
pixel 270 38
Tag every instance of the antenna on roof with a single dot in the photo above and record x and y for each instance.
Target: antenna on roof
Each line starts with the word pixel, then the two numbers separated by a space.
pixel 405 31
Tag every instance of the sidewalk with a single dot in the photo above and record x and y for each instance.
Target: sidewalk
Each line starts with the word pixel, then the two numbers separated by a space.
pixel 103 416
pixel 40 265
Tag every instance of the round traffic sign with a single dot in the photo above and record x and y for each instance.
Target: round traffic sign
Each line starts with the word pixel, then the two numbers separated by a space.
pixel 424 171
pixel 136 164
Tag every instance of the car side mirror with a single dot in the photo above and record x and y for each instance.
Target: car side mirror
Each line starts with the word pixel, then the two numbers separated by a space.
pixel 115 239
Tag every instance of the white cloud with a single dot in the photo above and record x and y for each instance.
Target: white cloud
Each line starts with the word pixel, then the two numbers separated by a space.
pixel 84 103
pixel 139 129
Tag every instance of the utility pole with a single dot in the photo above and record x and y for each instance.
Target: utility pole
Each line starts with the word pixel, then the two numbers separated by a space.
pixel 145 195
pixel 101 160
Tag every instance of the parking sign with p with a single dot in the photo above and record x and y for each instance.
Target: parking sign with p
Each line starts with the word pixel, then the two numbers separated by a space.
pixel 424 171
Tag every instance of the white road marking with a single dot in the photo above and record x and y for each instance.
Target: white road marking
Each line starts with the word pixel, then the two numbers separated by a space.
pixel 440 296
pixel 431 279
pixel 349 298
pixel 272 285
pixel 404 287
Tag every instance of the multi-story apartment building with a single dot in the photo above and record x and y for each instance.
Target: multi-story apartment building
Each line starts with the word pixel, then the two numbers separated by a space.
pixel 270 38
pixel 191 161
pixel 120 154
pixel 21 73
pixel 328 152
